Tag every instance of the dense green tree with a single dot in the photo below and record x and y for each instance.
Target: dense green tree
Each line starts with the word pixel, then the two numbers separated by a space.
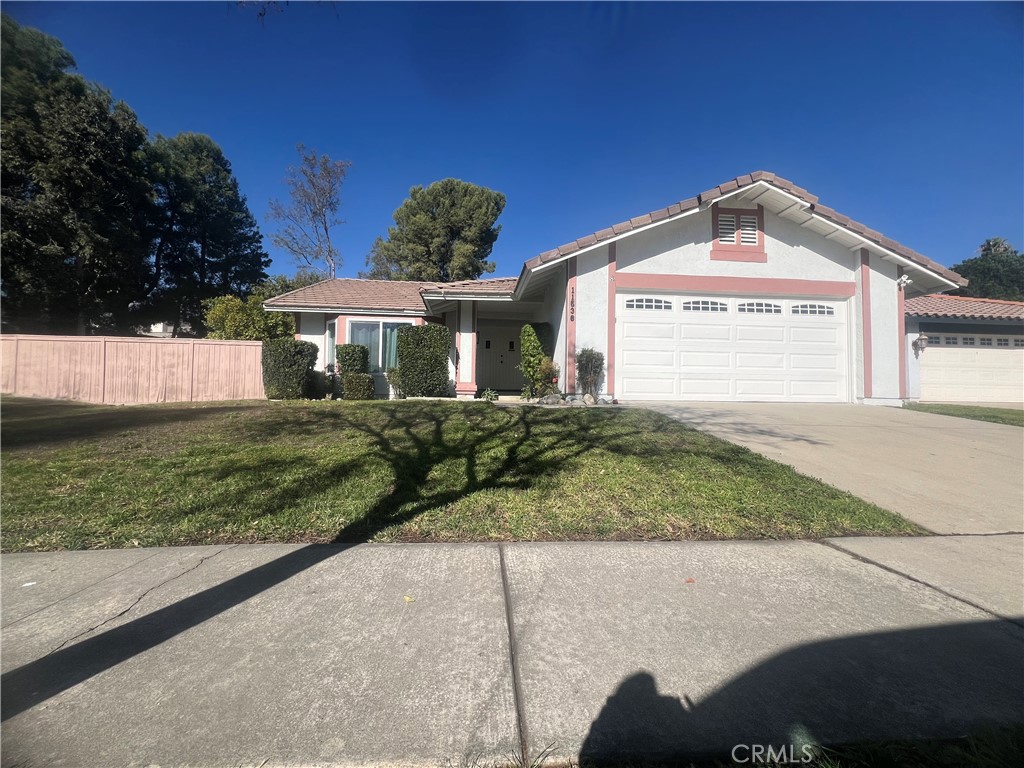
pixel 207 243
pixel 997 272
pixel 75 198
pixel 229 317
pixel 310 216
pixel 443 232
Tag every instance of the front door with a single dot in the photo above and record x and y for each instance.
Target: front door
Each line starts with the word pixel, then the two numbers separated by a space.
pixel 498 358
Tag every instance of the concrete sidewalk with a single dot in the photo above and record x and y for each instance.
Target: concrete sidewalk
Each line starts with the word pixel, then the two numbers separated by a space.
pixel 279 655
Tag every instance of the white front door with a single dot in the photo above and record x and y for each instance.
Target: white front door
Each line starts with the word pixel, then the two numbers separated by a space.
pixel 684 347
pixel 498 357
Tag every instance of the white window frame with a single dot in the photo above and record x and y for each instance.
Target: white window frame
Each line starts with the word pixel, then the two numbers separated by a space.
pixel 649 303
pixel 380 334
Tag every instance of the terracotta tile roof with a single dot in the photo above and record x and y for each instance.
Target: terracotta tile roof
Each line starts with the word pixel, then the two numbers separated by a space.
pixel 490 287
pixel 349 293
pixel 938 305
pixel 394 295
pixel 739 182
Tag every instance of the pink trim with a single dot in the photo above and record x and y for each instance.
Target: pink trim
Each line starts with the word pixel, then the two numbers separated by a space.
pixel 865 312
pixel 901 319
pixel 759 286
pixel 736 251
pixel 610 362
pixel 570 328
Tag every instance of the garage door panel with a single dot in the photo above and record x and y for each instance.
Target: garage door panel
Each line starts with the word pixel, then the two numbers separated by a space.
pixel 649 331
pixel 772 362
pixel 760 333
pixel 972 375
pixel 653 385
pixel 760 387
pixel 814 362
pixel 712 332
pixel 650 358
pixel 704 360
pixel 729 355
pixel 800 335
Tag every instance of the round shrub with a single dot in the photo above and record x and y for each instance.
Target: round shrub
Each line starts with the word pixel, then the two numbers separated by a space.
pixel 286 365
pixel 358 386
pixel 352 358
pixel 423 360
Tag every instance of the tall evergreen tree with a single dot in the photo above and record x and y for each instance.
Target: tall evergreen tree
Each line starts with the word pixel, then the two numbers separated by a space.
pixel 997 272
pixel 443 232
pixel 207 242
pixel 75 194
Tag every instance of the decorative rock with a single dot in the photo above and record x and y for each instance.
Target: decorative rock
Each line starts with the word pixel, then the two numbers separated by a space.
pixel 550 399
pixel 604 400
pixel 589 399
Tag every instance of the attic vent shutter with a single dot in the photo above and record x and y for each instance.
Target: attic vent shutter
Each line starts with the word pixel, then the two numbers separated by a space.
pixel 727 228
pixel 748 230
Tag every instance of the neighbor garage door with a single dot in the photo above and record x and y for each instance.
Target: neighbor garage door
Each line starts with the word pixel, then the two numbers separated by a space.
pixel 685 347
pixel 972 368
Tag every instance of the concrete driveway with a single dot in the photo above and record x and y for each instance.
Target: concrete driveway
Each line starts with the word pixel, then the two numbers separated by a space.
pixel 948 475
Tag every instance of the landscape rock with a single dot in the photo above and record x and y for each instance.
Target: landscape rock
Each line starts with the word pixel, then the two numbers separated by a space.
pixel 550 399
pixel 589 399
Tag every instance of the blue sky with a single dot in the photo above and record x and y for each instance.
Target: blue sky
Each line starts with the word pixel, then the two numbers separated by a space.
pixel 906 117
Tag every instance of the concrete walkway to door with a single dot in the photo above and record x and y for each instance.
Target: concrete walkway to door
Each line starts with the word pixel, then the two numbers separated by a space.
pixel 949 475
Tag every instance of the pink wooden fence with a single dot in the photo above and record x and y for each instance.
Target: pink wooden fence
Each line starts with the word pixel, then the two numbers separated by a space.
pixel 120 370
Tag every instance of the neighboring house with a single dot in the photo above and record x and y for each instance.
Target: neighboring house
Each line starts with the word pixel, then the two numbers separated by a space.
pixel 965 349
pixel 752 290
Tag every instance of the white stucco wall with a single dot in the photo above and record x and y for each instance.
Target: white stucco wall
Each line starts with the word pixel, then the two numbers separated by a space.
pixel 885 340
pixel 312 327
pixel 592 304
pixel 682 247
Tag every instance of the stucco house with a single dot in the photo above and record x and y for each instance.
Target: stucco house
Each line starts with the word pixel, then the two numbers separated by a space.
pixel 752 290
pixel 965 349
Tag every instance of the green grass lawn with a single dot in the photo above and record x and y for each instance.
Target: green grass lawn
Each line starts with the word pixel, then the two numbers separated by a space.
pixel 84 476
pixel 1014 416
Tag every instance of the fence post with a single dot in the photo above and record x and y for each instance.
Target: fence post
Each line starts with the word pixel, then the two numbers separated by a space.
pixel 103 369
pixel 191 368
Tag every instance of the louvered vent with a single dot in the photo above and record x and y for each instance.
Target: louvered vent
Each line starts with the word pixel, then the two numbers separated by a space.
pixel 727 228
pixel 748 230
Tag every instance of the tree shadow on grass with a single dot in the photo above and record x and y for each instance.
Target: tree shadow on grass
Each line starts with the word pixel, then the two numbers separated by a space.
pixel 413 441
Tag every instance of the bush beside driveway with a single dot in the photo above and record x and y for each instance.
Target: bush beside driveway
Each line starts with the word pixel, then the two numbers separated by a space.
pixel 83 476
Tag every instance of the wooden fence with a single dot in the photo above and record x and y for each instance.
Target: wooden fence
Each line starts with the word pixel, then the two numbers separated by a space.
pixel 121 370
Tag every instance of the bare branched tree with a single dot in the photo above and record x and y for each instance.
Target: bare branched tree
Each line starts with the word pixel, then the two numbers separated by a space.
pixel 308 219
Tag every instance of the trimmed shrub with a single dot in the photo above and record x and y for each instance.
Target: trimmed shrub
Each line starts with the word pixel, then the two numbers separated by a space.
pixel 547 378
pixel 589 367
pixel 546 337
pixel 358 386
pixel 423 359
pixel 286 365
pixel 531 355
pixel 316 385
pixel 352 358
pixel 394 376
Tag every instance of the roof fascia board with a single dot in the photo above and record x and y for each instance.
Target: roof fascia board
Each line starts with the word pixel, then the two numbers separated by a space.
pixel 349 311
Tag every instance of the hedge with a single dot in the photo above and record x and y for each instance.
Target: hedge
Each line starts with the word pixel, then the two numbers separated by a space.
pixel 358 386
pixel 286 365
pixel 531 356
pixel 352 358
pixel 423 360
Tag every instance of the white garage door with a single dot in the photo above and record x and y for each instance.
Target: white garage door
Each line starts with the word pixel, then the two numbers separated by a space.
pixel 972 368
pixel 684 347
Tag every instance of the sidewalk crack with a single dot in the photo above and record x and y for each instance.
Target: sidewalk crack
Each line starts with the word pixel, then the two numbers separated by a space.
pixel 922 582
pixel 139 599
pixel 513 654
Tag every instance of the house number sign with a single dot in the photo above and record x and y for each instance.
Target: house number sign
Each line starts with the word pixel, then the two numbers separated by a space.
pixel 572 304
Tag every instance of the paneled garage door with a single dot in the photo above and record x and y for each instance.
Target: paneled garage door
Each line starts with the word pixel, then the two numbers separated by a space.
pixel 684 347
pixel 971 367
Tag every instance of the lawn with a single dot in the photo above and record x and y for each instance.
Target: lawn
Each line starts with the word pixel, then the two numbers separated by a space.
pixel 1014 416
pixel 84 476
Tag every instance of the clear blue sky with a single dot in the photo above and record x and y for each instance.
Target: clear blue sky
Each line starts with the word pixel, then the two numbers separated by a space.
pixel 906 117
